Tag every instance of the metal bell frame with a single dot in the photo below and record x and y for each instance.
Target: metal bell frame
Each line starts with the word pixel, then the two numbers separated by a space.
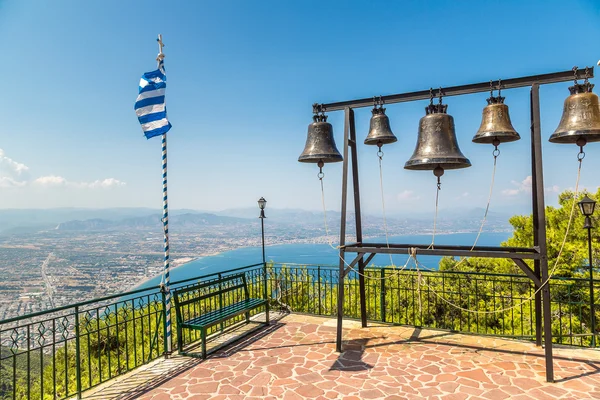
pixel 365 251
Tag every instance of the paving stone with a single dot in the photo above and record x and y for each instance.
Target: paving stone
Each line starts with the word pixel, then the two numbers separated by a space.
pixel 297 360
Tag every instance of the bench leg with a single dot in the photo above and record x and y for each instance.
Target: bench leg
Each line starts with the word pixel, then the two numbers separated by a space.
pixel 248 316
pixel 179 339
pixel 203 338
pixel 267 312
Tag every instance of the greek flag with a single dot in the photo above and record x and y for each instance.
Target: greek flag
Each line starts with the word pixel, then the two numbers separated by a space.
pixel 150 103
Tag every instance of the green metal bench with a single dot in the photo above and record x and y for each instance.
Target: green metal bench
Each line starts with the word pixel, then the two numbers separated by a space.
pixel 229 294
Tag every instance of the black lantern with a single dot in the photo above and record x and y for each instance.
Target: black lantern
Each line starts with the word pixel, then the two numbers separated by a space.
pixel 587 205
pixel 262 203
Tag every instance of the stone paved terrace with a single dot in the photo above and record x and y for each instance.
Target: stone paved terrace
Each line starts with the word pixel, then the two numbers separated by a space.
pixel 295 358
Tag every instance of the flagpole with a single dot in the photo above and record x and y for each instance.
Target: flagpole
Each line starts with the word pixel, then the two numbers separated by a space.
pixel 165 220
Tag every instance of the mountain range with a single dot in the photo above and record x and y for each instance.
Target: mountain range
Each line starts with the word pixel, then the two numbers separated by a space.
pixel 15 221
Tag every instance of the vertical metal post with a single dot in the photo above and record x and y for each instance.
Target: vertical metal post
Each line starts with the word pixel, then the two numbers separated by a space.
pixel 262 230
pixel 536 237
pixel 166 346
pixel 592 308
pixel 539 225
pixel 319 287
pixel 357 216
pixel 265 292
pixel 220 277
pixel 382 294
pixel 77 354
pixel 340 313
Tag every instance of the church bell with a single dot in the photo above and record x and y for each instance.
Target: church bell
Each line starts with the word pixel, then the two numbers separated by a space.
pixel 320 146
pixel 437 147
pixel 580 122
pixel 380 132
pixel 495 126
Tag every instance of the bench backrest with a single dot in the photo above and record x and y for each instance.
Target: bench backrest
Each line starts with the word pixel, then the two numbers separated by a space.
pixel 214 287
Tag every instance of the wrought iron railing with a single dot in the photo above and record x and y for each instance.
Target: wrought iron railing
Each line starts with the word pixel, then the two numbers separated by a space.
pixel 59 353
pixel 469 302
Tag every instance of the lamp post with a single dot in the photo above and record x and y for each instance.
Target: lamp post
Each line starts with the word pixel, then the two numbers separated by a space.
pixel 262 203
pixel 586 206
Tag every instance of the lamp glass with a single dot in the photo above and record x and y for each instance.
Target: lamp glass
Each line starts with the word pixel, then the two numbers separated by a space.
pixel 587 205
pixel 262 203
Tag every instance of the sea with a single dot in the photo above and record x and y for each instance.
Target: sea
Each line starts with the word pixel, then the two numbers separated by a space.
pixel 319 254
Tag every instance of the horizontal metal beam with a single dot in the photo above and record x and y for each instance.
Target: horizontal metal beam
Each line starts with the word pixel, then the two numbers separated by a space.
pixel 425 251
pixel 512 83
pixel 450 247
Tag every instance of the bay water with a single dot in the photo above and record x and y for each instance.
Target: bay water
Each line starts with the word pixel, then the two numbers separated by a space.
pixel 320 254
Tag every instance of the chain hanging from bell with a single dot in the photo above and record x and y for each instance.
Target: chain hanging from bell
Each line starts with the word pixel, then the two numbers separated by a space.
pixel 496 126
pixel 580 122
pixel 320 145
pixel 437 147
pixel 380 132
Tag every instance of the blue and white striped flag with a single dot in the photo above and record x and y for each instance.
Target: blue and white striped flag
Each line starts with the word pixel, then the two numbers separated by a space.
pixel 150 103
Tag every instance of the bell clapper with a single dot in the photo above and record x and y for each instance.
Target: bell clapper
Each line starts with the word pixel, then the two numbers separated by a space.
pixel 438 172
pixel 379 151
pixel 581 142
pixel 496 151
pixel 320 175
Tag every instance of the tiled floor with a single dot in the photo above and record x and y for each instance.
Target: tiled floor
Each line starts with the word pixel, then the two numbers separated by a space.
pixel 295 358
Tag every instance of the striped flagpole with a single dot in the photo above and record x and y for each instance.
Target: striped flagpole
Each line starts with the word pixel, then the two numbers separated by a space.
pixel 165 220
pixel 151 111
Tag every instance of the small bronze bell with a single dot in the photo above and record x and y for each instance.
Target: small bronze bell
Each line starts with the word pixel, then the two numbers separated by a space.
pixel 495 123
pixel 320 146
pixel 380 132
pixel 437 147
pixel 580 122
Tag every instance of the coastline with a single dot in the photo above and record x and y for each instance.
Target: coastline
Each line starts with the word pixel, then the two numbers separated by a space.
pixel 181 261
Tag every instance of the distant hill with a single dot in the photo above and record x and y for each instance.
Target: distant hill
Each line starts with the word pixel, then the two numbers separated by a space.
pixel 15 221
pixel 186 221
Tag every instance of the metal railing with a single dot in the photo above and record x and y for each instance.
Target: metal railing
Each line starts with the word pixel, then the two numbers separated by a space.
pixel 59 353
pixel 468 302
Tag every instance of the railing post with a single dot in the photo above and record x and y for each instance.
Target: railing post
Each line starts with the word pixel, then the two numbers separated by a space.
pixel 77 354
pixel 265 292
pixel 382 295
pixel 319 287
pixel 220 276
pixel 164 309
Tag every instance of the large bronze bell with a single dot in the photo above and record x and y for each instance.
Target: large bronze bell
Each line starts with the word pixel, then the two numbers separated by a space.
pixel 495 126
pixel 580 122
pixel 320 146
pixel 380 132
pixel 437 147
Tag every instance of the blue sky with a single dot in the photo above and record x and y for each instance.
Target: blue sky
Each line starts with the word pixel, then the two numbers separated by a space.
pixel 242 78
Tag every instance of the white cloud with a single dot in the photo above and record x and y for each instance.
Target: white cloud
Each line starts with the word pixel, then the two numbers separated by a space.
pixel 56 181
pixel 11 168
pixel 106 183
pixel 525 187
pixel 407 195
pixel 7 182
pixel 50 181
